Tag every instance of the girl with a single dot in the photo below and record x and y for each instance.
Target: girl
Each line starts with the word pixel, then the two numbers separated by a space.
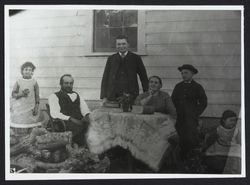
pixel 224 145
pixel 25 100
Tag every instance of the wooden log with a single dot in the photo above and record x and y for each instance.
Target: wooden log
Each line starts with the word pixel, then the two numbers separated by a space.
pixel 21 147
pixel 51 137
pixel 24 161
pixel 79 160
pixel 42 139
pixel 51 146
pixel 39 151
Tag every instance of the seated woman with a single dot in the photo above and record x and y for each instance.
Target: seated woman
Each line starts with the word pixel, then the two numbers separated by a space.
pixel 223 146
pixel 161 101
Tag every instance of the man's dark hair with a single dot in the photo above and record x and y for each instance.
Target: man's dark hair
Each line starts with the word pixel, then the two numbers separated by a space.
pixel 28 64
pixel 61 79
pixel 157 77
pixel 122 37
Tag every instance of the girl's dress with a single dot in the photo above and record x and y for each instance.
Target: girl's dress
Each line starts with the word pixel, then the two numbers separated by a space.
pixel 226 148
pixel 22 108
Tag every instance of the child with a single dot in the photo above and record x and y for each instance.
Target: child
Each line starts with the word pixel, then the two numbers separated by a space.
pixel 224 145
pixel 25 100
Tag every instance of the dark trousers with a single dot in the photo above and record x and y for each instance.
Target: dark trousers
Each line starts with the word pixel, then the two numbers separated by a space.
pixel 78 131
pixel 188 135
pixel 215 164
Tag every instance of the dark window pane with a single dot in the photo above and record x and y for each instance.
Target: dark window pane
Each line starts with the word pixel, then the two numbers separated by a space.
pixel 130 18
pixel 111 23
pixel 114 32
pixel 102 38
pixel 101 19
pixel 115 18
pixel 132 33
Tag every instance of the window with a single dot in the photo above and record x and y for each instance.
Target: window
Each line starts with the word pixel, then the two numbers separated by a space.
pixel 108 24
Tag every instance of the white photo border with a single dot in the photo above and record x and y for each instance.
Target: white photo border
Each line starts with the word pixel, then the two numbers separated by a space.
pixel 48 176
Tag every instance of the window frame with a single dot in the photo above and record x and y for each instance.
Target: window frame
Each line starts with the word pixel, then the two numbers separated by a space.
pixel 140 36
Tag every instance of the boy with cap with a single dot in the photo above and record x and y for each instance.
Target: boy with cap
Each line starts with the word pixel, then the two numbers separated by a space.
pixel 190 101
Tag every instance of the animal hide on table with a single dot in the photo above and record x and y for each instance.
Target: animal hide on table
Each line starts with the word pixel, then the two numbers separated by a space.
pixel 146 136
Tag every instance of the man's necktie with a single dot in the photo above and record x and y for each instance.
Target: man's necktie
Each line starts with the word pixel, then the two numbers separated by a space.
pixel 123 55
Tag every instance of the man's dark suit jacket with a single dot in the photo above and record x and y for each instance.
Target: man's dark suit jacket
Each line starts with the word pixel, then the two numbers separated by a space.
pixel 134 66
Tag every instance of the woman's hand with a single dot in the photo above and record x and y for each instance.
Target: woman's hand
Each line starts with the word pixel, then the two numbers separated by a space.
pixel 35 110
pixel 145 100
pixel 152 92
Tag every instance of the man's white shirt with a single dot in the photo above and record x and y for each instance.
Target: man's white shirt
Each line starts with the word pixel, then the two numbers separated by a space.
pixel 123 55
pixel 55 109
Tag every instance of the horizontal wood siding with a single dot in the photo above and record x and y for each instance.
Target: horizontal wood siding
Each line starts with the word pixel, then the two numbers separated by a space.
pixel 57 42
pixel 209 40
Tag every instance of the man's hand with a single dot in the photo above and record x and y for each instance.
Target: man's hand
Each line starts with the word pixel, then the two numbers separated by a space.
pixel 85 121
pixel 85 118
pixel 75 121
pixel 104 101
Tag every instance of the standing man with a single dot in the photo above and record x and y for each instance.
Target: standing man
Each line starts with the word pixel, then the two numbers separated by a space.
pixel 120 74
pixel 67 105
pixel 190 101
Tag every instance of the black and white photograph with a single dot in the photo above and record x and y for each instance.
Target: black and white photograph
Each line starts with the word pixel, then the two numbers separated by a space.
pixel 116 92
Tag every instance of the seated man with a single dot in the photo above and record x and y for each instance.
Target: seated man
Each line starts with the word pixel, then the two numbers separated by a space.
pixel 67 105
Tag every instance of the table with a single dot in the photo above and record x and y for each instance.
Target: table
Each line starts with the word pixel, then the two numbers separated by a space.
pixel 146 136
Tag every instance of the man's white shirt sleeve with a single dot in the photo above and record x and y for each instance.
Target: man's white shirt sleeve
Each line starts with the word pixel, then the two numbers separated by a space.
pixel 55 108
pixel 84 107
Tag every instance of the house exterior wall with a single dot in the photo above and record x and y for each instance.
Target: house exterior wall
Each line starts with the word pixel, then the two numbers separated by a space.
pixel 60 41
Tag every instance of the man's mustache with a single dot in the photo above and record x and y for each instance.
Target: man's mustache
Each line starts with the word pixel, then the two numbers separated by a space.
pixel 67 88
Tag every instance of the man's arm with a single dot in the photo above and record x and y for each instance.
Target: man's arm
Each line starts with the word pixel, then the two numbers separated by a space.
pixel 55 108
pixel 173 96
pixel 105 76
pixel 142 74
pixel 202 100
pixel 84 107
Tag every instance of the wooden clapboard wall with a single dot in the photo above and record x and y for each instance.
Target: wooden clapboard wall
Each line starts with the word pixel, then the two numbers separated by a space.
pixel 59 42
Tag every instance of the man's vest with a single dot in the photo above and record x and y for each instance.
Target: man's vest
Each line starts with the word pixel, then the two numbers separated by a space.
pixel 122 81
pixel 68 107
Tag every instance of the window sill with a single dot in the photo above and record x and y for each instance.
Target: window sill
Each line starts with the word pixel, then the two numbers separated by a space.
pixel 106 54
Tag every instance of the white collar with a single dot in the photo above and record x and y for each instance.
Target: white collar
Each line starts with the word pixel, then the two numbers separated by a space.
pixel 125 54
pixel 188 82
pixel 27 79
pixel 72 96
